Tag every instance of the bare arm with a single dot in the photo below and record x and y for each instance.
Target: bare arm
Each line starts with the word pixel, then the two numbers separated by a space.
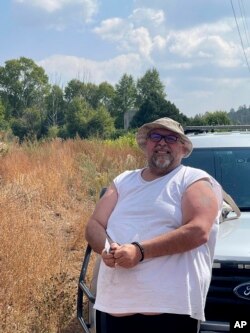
pixel 199 209
pixel 95 232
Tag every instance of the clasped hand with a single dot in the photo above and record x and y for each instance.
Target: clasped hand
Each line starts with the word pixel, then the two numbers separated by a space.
pixel 125 255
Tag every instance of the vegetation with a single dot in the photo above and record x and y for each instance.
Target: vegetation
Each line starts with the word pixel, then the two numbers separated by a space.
pixel 48 191
pixel 211 118
pixel 31 108
pixel 51 176
pixel 241 116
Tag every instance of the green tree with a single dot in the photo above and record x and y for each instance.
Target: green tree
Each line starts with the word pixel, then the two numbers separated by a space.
pixel 73 89
pixel 55 107
pixel 19 128
pixel 4 125
pixel 197 120
pixel 210 118
pixel 101 124
pixel 105 95
pixel 87 91
pixel 29 125
pixel 154 107
pixel 90 93
pixel 217 118
pixel 124 99
pixel 78 115
pixel 241 116
pixel 23 84
pixel 148 84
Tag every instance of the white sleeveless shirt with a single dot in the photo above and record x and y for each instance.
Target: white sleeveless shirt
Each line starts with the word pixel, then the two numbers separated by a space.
pixel 168 284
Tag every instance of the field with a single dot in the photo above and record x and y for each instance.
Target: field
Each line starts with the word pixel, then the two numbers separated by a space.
pixel 47 192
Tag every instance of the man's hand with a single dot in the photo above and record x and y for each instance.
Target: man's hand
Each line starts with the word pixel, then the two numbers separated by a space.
pixel 108 254
pixel 126 255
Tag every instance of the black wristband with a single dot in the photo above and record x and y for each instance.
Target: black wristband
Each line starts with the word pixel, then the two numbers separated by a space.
pixel 140 248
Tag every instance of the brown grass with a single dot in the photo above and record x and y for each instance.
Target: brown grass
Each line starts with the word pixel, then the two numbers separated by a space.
pixel 47 192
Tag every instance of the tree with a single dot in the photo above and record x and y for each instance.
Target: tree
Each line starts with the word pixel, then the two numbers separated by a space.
pixel 78 115
pixel 241 116
pixel 217 118
pixel 73 89
pixel 19 128
pixel 90 93
pixel 154 107
pixel 55 107
pixel 106 94
pixel 23 84
pixel 124 100
pixel 101 125
pixel 148 84
pixel 87 91
pixel 29 125
pixel 3 123
pixel 211 118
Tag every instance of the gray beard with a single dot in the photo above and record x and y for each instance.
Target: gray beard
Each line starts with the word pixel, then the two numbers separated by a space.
pixel 160 162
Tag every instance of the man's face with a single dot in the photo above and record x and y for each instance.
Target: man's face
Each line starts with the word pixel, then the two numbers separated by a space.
pixel 162 155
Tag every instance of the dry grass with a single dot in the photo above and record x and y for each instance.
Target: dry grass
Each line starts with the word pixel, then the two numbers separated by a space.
pixel 47 192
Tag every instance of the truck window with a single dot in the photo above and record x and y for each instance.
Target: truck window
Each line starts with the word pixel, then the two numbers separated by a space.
pixel 230 166
pixel 202 159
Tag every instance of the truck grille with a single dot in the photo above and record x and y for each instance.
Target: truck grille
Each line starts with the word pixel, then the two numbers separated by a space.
pixel 222 301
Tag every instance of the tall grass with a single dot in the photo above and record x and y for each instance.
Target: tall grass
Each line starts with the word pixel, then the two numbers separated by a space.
pixel 47 192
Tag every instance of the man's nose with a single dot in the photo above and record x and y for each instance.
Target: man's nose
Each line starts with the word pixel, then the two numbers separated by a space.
pixel 162 141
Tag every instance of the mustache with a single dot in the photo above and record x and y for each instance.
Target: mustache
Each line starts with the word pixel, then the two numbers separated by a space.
pixel 156 150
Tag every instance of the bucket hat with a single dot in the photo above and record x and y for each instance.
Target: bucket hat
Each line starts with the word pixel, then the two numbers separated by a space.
pixel 165 123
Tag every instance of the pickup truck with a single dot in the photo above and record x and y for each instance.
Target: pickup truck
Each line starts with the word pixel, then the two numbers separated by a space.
pixel 224 152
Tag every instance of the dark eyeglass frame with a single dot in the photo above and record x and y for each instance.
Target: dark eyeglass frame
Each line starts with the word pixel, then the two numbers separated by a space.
pixel 168 138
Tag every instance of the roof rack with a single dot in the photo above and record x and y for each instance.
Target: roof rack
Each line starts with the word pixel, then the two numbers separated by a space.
pixel 212 128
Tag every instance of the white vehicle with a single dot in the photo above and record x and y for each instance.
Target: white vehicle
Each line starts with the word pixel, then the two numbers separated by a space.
pixel 225 156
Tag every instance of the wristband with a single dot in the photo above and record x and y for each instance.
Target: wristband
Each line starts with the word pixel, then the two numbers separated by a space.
pixel 140 248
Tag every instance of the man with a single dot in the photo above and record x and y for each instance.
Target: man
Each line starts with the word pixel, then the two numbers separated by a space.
pixel 155 229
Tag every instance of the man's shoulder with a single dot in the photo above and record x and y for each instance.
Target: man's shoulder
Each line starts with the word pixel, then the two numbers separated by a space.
pixel 128 174
pixel 193 170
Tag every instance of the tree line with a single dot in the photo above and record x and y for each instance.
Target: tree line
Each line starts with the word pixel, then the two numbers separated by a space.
pixel 31 107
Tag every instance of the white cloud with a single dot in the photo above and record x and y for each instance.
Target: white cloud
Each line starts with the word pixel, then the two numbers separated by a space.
pixel 69 67
pixel 47 5
pixel 114 29
pixel 176 65
pixel 147 15
pixel 159 42
pixel 138 39
pixel 129 37
pixel 86 8
pixel 206 43
pixel 209 43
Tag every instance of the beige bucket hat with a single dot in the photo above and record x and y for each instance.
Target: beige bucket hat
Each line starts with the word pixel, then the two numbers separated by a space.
pixel 166 123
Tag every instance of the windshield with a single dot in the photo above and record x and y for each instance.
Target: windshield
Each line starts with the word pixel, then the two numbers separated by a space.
pixel 231 168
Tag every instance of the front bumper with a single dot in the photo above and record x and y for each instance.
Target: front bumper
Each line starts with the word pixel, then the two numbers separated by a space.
pixel 214 327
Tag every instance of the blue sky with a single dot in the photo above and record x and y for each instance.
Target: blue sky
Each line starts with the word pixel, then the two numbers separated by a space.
pixel 195 45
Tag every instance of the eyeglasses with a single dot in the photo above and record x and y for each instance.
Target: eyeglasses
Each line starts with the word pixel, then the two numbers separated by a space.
pixel 169 138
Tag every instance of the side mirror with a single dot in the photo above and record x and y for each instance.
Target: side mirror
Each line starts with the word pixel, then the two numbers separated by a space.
pixel 230 210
